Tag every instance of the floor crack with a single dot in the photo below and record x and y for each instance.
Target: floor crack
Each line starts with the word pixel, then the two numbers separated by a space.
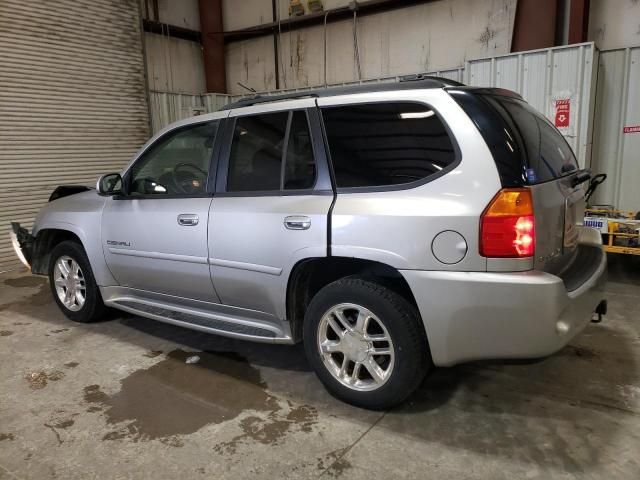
pixel 54 431
pixel 348 449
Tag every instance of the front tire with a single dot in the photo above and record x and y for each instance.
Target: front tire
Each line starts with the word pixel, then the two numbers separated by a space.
pixel 366 343
pixel 73 285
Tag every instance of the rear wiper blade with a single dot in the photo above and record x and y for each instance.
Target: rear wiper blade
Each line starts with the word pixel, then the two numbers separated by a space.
pixel 581 177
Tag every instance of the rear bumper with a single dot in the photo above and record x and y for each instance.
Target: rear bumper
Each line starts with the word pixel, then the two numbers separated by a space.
pixel 483 315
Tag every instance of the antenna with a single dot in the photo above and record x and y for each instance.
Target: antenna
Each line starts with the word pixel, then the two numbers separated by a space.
pixel 252 90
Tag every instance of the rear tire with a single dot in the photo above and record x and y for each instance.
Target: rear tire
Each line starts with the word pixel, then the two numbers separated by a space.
pixel 392 350
pixel 73 285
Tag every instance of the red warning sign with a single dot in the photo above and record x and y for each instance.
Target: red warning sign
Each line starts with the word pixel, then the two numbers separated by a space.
pixel 633 129
pixel 563 112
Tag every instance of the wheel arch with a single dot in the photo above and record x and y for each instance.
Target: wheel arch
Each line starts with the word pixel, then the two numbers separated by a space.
pixel 310 275
pixel 46 240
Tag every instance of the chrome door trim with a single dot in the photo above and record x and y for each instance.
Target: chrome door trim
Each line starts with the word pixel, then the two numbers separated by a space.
pixel 252 267
pixel 158 255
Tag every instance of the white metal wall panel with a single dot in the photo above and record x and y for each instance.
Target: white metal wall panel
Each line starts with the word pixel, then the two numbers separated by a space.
pixel 72 99
pixel 544 76
pixel 615 152
pixel 167 108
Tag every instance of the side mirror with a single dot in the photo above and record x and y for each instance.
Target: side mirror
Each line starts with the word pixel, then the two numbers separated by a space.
pixel 109 184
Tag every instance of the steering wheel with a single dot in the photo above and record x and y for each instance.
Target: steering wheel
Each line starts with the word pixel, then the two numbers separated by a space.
pixel 189 178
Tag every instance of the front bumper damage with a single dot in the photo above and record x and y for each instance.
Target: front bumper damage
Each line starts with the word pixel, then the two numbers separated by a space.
pixel 22 242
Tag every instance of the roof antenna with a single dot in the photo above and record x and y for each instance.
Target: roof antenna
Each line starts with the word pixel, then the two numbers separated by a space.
pixel 252 90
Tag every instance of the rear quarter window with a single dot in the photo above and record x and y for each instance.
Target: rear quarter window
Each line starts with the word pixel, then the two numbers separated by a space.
pixel 526 147
pixel 548 154
pixel 386 144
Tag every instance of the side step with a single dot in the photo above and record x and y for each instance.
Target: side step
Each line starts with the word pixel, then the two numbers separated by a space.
pixel 203 319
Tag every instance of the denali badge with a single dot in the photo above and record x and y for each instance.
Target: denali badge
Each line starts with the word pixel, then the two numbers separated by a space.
pixel 119 244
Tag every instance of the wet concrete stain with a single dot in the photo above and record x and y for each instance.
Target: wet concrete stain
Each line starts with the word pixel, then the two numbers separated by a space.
pixel 339 467
pixel 38 380
pixel 64 424
pixel 5 333
pixel 60 330
pixel 6 436
pixel 152 353
pixel 272 429
pixel 25 304
pixel 173 398
pixel 25 281
pixel 329 458
pixel 582 352
pixel 71 364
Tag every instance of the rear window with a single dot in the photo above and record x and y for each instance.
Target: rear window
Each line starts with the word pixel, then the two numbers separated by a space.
pixel 386 144
pixel 548 154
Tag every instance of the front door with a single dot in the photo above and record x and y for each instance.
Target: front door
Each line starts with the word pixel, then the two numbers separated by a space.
pixel 155 237
pixel 271 205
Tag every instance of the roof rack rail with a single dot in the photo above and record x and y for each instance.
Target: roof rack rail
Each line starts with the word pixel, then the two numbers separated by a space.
pixel 407 82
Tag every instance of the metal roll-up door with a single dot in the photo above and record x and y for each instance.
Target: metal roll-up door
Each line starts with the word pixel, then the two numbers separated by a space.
pixel 73 101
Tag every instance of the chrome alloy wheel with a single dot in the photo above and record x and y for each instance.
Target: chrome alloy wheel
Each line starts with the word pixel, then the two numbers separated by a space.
pixel 69 282
pixel 356 347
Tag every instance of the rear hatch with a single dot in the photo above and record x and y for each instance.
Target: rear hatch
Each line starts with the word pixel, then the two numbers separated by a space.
pixel 530 152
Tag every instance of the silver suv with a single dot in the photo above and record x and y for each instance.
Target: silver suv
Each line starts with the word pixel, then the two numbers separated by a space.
pixel 391 228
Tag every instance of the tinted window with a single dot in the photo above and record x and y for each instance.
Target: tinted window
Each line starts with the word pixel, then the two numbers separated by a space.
pixel 300 166
pixel 177 164
pixel 548 155
pixel 386 143
pixel 498 134
pixel 255 162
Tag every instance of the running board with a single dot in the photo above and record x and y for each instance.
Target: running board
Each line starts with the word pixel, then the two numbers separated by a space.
pixel 201 316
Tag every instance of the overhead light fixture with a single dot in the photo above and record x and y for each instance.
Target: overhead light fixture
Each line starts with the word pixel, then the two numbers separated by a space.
pixel 408 115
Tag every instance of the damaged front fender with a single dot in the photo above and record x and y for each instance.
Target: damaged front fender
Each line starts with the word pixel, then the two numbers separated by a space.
pixel 22 242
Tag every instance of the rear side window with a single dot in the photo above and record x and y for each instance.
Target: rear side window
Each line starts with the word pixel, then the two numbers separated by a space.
pixel 386 144
pixel 261 143
pixel 548 154
pixel 255 162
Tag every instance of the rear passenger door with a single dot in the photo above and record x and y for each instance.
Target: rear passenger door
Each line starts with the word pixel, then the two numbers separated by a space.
pixel 273 195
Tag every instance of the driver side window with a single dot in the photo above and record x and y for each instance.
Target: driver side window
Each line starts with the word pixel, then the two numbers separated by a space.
pixel 177 164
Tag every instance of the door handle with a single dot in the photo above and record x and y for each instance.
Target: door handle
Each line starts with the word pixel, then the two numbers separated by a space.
pixel 296 222
pixel 188 219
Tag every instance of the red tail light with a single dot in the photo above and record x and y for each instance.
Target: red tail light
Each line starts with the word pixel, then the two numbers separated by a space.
pixel 507 225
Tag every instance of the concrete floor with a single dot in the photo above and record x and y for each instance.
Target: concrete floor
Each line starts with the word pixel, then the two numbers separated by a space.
pixel 117 400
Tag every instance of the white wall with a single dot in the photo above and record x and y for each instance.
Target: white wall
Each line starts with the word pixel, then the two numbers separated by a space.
pixel 182 13
pixel 174 65
pixel 431 36
pixel 614 23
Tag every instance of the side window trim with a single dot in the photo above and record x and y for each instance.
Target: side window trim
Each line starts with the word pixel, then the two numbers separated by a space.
pixel 126 178
pixel 285 148
pixel 401 186
pixel 322 184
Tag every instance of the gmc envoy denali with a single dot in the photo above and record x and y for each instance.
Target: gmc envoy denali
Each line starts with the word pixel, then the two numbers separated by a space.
pixel 390 228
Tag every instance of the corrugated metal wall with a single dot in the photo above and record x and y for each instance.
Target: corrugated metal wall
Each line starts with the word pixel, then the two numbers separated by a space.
pixel 616 142
pixel 544 76
pixel 72 99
